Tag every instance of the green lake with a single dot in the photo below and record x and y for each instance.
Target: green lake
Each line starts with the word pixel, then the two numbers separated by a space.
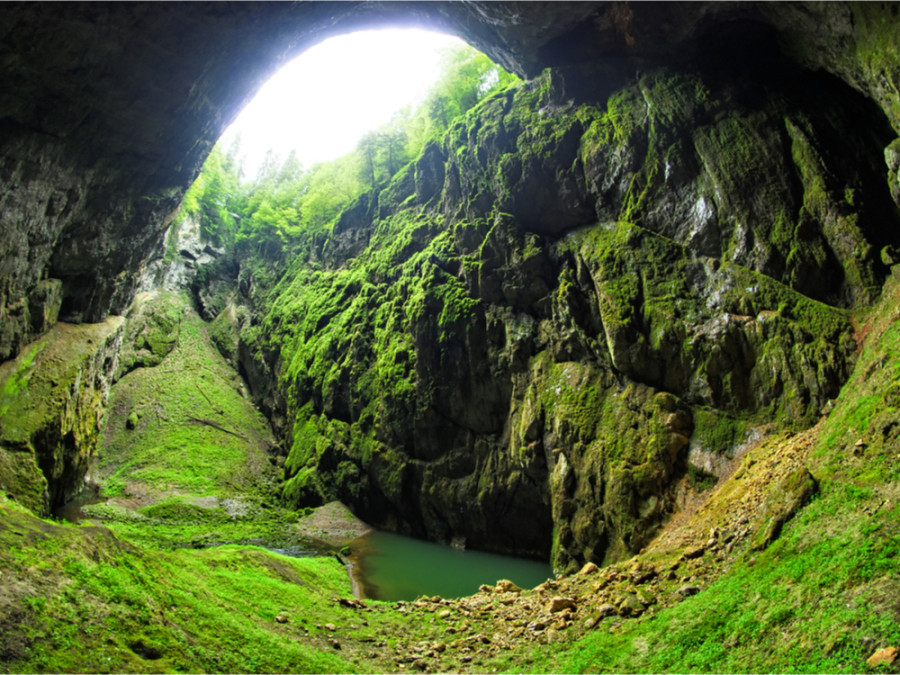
pixel 393 567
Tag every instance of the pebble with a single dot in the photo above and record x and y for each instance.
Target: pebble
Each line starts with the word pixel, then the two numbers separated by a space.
pixel 692 553
pixel 629 605
pixel 688 589
pixel 606 609
pixel 282 617
pixel 589 568
pixel 885 656
pixel 506 586
pixel 558 604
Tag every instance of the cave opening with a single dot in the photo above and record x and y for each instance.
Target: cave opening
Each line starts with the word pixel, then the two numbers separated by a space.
pixel 317 107
pixel 259 204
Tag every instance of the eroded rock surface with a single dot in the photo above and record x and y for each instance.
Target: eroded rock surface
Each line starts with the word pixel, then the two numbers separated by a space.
pixel 521 341
pixel 52 406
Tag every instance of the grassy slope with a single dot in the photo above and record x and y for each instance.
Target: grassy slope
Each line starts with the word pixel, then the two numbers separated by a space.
pixel 81 599
pixel 183 457
pixel 170 450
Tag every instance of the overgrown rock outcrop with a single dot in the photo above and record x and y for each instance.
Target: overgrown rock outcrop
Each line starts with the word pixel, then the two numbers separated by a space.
pixel 52 405
pixel 520 340
pixel 679 248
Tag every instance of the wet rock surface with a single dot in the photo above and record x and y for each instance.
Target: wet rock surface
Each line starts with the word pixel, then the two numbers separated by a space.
pixel 625 260
pixel 535 371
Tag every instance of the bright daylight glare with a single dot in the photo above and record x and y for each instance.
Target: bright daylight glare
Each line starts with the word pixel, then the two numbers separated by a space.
pixel 323 102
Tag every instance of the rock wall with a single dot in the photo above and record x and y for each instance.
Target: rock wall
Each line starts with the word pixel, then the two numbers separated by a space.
pixel 111 108
pixel 522 340
pixel 676 247
pixel 52 405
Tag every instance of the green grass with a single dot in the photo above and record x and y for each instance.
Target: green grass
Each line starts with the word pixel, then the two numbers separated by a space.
pixel 818 600
pixel 193 432
pixel 87 601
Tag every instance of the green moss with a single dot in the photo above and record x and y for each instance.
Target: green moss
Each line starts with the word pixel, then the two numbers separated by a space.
pixel 52 401
pixel 700 480
pixel 152 330
pixel 179 510
pixel 107 605
pixel 18 379
pixel 719 432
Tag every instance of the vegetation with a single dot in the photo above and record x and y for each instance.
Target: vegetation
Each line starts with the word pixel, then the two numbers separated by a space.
pixel 90 601
pixel 277 211
pixel 393 327
pixel 817 600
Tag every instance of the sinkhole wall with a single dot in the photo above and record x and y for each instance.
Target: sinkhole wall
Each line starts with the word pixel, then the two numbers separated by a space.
pixel 554 323
pixel 533 330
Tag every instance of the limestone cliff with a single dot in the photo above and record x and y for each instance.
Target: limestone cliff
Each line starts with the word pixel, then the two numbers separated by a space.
pixel 524 339
pixel 52 406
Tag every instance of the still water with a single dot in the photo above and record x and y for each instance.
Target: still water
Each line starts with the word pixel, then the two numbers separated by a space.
pixel 393 567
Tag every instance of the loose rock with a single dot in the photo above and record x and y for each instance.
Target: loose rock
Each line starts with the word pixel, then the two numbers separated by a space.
pixel 506 586
pixel 589 568
pixel 885 656
pixel 695 552
pixel 558 604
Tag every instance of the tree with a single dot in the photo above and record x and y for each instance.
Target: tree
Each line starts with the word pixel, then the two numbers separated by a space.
pixel 286 204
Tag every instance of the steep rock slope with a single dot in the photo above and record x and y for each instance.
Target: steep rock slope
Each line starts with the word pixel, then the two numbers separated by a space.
pixel 539 326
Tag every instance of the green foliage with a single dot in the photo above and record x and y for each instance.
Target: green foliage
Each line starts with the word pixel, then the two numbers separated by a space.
pixel 280 211
pixel 468 76
pixel 105 606
pixel 17 379
pixel 213 196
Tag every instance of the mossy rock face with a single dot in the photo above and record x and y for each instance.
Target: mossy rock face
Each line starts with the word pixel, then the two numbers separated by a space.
pixel 52 405
pixel 521 339
pixel 783 503
pixel 151 332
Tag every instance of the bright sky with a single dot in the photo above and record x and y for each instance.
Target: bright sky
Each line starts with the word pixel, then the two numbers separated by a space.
pixel 323 102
